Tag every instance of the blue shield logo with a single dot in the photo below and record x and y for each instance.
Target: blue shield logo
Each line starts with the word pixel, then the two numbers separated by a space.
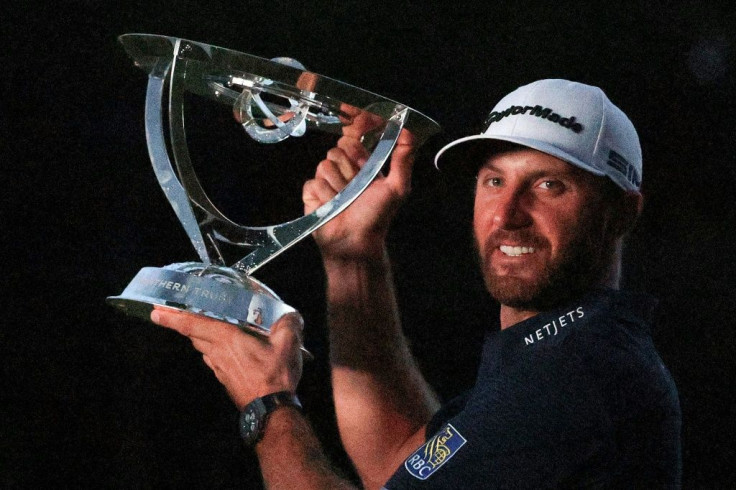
pixel 434 453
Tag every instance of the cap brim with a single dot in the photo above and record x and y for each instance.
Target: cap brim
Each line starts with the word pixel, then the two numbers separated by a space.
pixel 464 148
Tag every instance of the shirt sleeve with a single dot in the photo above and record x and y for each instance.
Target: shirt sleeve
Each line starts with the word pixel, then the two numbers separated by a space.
pixel 446 412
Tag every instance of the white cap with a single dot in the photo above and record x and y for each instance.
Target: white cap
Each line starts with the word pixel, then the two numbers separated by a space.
pixel 568 120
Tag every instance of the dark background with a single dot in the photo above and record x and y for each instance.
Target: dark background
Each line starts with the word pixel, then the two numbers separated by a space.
pixel 91 398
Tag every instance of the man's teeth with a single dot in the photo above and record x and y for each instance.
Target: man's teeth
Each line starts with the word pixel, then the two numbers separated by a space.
pixel 516 251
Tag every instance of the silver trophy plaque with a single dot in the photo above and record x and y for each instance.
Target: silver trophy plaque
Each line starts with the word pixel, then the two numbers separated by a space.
pixel 273 100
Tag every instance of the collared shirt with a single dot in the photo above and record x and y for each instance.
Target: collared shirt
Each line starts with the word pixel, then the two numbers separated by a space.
pixel 573 397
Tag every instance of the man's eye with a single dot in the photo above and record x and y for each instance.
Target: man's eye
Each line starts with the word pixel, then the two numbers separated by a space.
pixel 551 185
pixel 492 181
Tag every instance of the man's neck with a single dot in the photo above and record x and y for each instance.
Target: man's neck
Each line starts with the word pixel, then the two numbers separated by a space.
pixel 511 316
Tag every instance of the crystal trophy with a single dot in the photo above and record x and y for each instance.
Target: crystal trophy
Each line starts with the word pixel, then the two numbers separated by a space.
pixel 274 101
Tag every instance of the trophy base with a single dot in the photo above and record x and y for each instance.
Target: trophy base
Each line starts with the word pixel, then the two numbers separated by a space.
pixel 213 291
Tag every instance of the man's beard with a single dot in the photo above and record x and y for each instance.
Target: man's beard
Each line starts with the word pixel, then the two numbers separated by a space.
pixel 583 263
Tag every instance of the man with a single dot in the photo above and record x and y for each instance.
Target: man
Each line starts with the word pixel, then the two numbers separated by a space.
pixel 570 392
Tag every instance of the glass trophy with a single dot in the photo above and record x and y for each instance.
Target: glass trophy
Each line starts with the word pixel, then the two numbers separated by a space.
pixel 274 101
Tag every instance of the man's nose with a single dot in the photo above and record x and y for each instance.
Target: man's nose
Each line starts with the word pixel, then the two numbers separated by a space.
pixel 511 211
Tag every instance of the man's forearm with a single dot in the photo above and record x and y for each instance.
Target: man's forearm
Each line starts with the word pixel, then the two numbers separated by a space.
pixel 291 457
pixel 381 399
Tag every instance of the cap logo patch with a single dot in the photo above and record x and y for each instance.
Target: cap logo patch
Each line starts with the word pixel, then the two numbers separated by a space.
pixel 434 453
pixel 537 111
pixel 623 166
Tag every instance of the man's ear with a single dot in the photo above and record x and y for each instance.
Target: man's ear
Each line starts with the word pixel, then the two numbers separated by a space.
pixel 630 209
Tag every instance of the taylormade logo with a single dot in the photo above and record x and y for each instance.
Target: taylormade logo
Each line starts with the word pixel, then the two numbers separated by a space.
pixel 537 111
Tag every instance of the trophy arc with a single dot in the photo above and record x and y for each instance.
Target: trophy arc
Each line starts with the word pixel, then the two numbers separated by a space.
pixel 296 100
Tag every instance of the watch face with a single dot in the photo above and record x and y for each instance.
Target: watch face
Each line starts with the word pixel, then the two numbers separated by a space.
pixel 250 425
pixel 254 415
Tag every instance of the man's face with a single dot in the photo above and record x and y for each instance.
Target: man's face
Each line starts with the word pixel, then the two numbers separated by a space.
pixel 541 229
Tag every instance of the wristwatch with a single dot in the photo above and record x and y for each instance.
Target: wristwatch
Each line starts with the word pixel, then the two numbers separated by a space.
pixel 253 418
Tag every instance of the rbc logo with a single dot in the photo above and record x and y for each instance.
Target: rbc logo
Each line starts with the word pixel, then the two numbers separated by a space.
pixel 434 453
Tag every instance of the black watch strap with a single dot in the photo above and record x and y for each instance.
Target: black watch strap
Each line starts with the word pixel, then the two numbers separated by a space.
pixel 281 398
pixel 254 416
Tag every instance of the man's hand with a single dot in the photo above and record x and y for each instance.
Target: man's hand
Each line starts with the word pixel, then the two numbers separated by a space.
pixel 359 231
pixel 248 366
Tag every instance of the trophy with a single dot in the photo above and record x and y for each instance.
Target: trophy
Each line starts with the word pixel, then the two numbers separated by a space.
pixel 273 100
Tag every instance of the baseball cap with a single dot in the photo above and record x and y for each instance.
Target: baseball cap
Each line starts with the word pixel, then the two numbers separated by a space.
pixel 572 121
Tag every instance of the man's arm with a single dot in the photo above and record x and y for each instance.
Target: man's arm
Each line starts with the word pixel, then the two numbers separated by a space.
pixel 249 367
pixel 381 399
pixel 291 456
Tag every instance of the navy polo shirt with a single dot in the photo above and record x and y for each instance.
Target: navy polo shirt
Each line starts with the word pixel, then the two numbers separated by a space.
pixel 573 397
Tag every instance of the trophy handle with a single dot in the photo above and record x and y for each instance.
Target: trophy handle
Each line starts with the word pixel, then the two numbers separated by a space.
pixel 204 223
pixel 184 189
pixel 283 236
pixel 157 150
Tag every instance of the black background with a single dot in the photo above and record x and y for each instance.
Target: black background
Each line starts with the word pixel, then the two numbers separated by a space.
pixel 91 398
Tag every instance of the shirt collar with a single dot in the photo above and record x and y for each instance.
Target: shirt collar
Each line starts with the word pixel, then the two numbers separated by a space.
pixel 550 327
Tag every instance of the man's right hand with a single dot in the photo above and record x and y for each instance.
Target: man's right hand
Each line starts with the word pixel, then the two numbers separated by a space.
pixel 359 232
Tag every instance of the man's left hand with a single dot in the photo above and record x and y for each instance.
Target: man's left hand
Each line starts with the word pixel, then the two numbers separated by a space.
pixel 249 366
